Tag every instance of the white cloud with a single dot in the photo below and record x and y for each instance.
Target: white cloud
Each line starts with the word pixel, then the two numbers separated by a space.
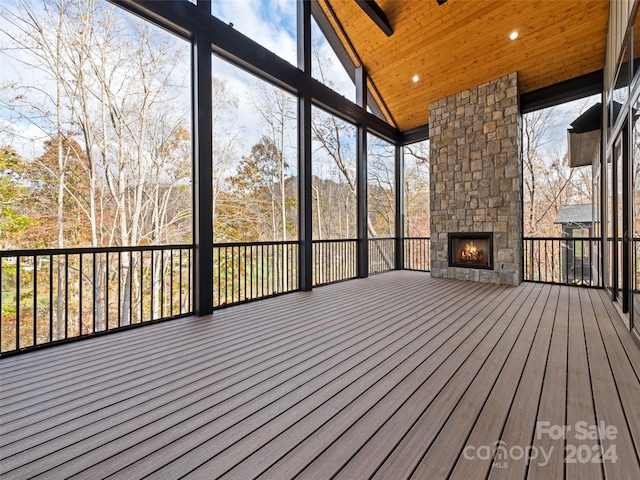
pixel 269 23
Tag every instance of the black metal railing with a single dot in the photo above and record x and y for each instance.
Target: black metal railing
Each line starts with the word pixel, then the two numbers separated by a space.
pixel 253 270
pixel 564 260
pixel 334 260
pixel 417 253
pixel 636 250
pixel 382 253
pixel 53 295
pixel 56 294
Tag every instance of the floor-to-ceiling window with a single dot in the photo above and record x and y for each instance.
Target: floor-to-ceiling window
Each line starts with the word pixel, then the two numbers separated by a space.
pixel 621 181
pixel 380 204
pixel 634 183
pixel 635 210
pixel 95 110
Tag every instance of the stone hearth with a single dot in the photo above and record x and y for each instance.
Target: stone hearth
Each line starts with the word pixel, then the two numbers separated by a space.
pixel 476 177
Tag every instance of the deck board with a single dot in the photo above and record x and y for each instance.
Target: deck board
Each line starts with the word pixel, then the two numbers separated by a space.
pixel 474 379
pixel 608 412
pixel 393 376
pixel 485 424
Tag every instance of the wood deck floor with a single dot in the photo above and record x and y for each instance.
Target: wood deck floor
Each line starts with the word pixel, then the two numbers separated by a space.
pixel 395 376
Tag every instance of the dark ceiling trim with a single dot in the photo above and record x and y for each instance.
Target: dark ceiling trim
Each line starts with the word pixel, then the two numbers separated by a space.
pixel 567 91
pixel 185 19
pixel 417 134
pixel 375 13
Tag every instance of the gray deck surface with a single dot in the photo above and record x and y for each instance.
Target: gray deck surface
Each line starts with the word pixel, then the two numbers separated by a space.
pixel 395 376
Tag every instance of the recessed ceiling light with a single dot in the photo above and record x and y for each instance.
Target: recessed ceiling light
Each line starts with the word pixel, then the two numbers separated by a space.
pixel 513 35
pixel 415 78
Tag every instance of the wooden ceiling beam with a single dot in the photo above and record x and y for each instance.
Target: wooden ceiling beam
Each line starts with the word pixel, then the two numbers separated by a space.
pixel 376 14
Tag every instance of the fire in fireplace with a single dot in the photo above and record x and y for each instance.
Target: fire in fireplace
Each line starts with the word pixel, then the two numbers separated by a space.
pixel 471 250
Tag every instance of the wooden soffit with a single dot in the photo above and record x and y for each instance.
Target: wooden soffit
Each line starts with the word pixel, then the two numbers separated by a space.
pixel 463 43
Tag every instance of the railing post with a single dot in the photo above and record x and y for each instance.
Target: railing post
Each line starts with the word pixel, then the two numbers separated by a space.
pixel 361 174
pixel 305 229
pixel 399 217
pixel 202 176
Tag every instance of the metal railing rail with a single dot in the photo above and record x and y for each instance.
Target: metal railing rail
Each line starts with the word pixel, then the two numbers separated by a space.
pixel 563 260
pixel 636 251
pixel 334 260
pixel 54 295
pixel 381 254
pixel 253 270
pixel 417 253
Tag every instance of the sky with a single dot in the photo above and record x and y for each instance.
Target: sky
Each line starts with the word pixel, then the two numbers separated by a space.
pixel 556 135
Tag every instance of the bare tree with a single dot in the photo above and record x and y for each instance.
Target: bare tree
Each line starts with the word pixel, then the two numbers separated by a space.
pixel 277 111
pixel 535 137
pixel 416 190
pixel 225 142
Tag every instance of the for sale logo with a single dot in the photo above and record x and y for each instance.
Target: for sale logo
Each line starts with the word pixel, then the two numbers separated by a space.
pixel 592 452
pixel 582 431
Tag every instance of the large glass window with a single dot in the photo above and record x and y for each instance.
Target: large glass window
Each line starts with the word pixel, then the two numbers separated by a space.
pixel 334 189
pixel 549 183
pixel 621 88
pixel 635 211
pixel 95 111
pixel 271 23
pixel 416 190
pixel 381 188
pixel 610 274
pixel 95 123
pixel 620 177
pixel 254 158
pixel 381 204
pixel 334 198
pixel 326 66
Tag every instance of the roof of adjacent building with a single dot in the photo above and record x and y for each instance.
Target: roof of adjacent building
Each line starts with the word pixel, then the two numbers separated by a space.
pixel 575 214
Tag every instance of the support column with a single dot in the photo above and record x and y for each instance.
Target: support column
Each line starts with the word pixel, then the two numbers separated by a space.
pixel 202 177
pixel 305 229
pixel 361 174
pixel 399 217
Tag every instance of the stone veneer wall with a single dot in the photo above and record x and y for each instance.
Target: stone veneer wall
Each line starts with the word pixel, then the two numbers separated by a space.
pixel 476 171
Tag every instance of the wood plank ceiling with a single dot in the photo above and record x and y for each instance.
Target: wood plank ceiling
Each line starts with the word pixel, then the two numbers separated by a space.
pixel 463 43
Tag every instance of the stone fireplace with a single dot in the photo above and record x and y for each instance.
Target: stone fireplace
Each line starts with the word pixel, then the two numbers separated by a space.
pixel 476 183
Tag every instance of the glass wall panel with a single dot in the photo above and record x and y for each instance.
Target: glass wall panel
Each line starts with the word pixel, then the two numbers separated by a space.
pixel 416 190
pixel 549 183
pixel 635 211
pixel 98 126
pixel 254 158
pixel 326 67
pixel 334 190
pixel 597 216
pixel 381 188
pixel 95 124
pixel 620 89
pixel 610 277
pixel 334 197
pixel 271 23
pixel 381 204
pixel 619 180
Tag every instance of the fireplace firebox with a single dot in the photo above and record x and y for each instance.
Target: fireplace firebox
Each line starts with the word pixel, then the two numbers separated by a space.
pixel 471 250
